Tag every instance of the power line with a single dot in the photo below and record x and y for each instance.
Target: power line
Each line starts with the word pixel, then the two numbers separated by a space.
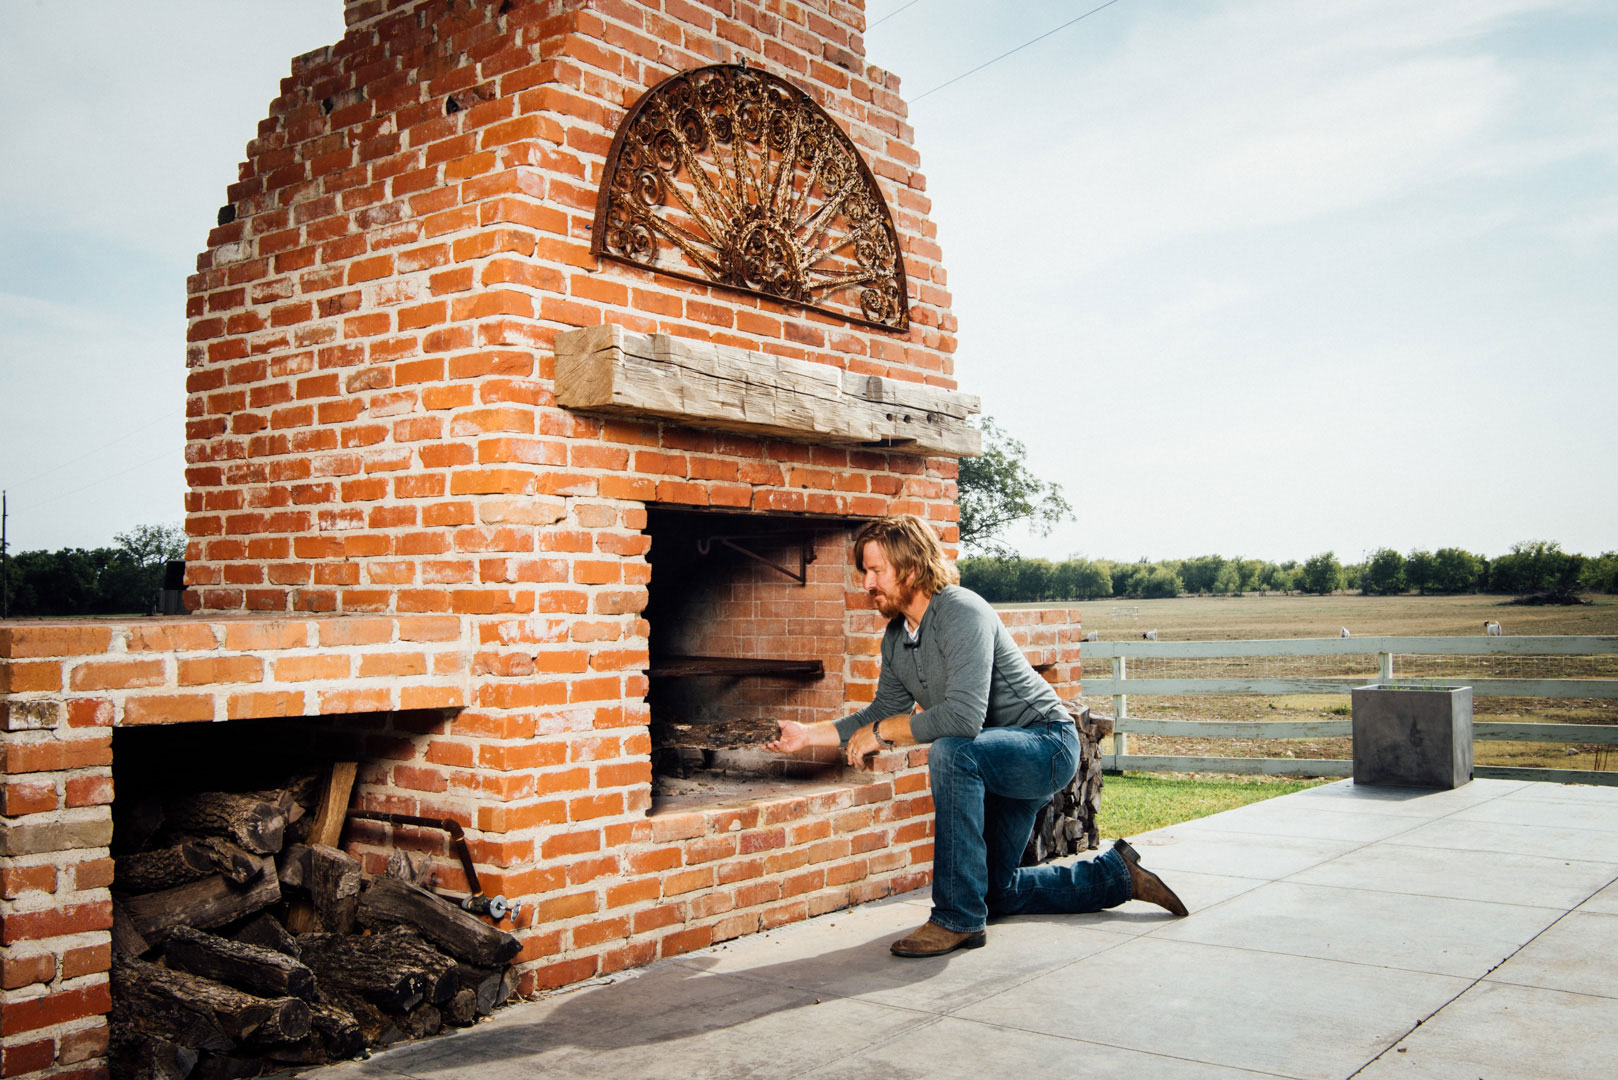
pixel 1019 48
pixel 891 14
pixel 96 483
pixel 91 453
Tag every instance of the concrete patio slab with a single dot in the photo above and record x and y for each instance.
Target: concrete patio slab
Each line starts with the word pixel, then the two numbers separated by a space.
pixel 1589 845
pixel 1500 877
pixel 1325 823
pixel 1605 901
pixel 1283 1015
pixel 1457 934
pixel 1416 933
pixel 936 1050
pixel 1575 955
pixel 1499 1032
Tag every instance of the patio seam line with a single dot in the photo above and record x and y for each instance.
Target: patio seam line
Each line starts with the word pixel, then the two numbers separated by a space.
pixel 933 1022
pixel 1473 985
pixel 1436 896
pixel 1114 1046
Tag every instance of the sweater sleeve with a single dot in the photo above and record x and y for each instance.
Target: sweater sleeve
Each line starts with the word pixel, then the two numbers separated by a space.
pixel 891 697
pixel 965 637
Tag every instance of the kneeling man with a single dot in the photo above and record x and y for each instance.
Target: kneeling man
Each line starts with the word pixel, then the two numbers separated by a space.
pixel 1001 744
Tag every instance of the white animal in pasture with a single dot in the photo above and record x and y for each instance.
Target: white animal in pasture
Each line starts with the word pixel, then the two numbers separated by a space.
pixel 1491 628
pixel 1094 635
pixel 1342 631
pixel 1150 635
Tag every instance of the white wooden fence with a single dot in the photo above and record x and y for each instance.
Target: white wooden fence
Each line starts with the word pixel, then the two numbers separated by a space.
pixel 1120 687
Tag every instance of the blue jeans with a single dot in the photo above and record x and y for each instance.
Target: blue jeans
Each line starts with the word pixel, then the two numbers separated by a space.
pixel 987 792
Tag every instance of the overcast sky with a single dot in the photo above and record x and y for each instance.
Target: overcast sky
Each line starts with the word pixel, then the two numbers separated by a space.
pixel 1254 277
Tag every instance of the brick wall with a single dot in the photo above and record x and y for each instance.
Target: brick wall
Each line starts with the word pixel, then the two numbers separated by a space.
pixel 397 537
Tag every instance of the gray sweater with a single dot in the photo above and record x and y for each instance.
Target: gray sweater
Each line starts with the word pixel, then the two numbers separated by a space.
pixel 963 669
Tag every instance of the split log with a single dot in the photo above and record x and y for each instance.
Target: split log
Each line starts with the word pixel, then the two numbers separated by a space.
pixel 326 828
pixel 336 1031
pixel 250 968
pixel 460 933
pixel 462 1007
pixel 178 997
pixel 213 901
pixel 268 932
pixel 254 823
pixel 334 886
pixel 189 860
pixel 423 1022
pixel 374 1025
pixel 292 866
pixel 126 940
pixel 489 984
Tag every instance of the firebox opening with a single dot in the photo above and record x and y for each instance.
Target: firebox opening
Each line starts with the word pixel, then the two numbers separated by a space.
pixel 748 628
pixel 286 759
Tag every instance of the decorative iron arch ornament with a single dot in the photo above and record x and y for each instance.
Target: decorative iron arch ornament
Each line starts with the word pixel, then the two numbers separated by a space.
pixel 728 175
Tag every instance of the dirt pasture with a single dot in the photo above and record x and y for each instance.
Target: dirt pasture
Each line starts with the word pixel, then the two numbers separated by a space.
pixel 1269 617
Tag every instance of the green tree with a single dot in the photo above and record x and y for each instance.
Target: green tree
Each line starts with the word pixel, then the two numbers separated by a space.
pixel 1322 574
pixel 996 490
pixel 1160 583
pixel 1419 570
pixel 1537 566
pixel 1601 573
pixel 991 577
pixel 1457 571
pixel 1384 573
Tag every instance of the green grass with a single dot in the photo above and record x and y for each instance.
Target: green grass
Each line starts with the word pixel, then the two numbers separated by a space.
pixel 1138 802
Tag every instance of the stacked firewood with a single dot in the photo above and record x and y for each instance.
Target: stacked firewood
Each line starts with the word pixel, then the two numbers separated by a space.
pixel 244 944
pixel 1067 824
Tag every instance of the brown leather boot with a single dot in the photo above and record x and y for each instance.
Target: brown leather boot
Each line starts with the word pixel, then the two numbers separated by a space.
pixel 1145 885
pixel 934 940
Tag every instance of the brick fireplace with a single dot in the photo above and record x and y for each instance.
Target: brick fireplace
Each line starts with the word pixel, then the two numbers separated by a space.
pixel 566 527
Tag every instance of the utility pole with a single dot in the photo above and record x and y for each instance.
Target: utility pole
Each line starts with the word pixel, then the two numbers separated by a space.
pixel 5 562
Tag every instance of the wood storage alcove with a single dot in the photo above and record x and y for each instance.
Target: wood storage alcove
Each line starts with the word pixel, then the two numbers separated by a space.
pixel 258 925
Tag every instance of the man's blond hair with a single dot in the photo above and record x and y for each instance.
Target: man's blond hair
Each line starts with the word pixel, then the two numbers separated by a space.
pixel 912 549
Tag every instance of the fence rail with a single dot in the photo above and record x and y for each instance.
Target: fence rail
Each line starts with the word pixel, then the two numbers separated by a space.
pixel 1120 687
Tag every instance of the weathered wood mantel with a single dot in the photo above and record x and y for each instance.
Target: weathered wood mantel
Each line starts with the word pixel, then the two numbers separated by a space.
pixel 608 369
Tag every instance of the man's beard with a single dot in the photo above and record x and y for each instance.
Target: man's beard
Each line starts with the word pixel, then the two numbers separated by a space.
pixel 891 607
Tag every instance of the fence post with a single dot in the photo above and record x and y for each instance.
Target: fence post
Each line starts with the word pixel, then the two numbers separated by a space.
pixel 1120 713
pixel 1384 667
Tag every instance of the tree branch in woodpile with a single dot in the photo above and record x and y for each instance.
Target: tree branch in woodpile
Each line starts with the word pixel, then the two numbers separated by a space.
pixel 460 933
pixel 254 823
pixel 249 968
pixel 148 988
pixel 266 931
pixel 213 901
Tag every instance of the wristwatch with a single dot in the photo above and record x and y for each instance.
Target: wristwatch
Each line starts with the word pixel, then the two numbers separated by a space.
pixel 876 729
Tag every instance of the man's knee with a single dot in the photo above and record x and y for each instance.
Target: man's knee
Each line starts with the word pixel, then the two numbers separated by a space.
pixel 948 757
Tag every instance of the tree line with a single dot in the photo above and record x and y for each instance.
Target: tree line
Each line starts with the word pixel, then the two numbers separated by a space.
pixel 1533 568
pixel 122 580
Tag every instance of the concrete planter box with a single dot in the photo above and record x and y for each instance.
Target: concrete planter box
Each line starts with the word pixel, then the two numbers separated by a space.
pixel 1412 736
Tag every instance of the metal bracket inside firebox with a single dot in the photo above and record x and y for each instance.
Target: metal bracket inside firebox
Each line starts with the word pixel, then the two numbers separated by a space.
pixel 806 554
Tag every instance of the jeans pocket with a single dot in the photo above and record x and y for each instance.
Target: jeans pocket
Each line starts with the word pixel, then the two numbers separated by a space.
pixel 1064 763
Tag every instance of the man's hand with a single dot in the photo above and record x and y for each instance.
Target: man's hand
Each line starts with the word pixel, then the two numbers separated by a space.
pixel 862 746
pixel 794 737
